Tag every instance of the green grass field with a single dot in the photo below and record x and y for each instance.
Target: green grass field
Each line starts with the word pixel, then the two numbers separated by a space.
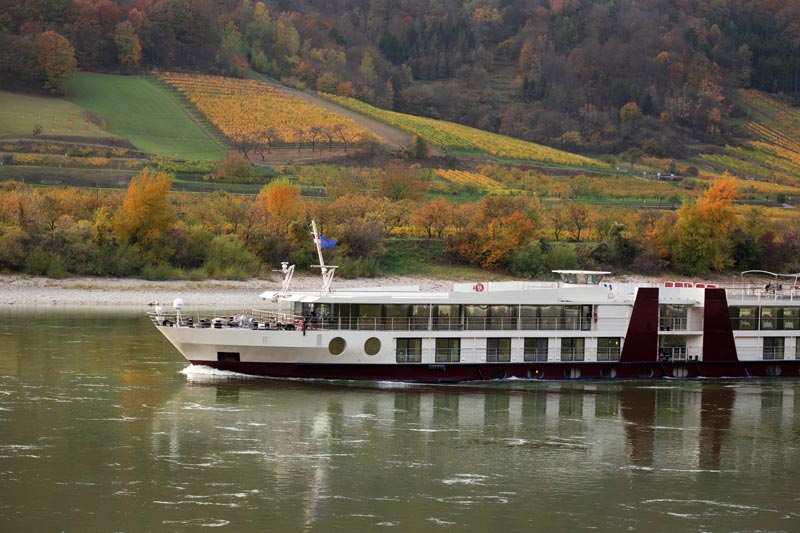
pixel 142 111
pixel 19 113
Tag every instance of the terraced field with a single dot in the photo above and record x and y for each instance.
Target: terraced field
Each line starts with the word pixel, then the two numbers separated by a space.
pixel 773 155
pixel 251 110
pixel 456 137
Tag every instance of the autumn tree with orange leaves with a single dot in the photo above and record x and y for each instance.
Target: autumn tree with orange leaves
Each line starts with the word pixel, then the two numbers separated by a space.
pixel 282 203
pixel 700 241
pixel 57 57
pixel 145 213
pixel 433 217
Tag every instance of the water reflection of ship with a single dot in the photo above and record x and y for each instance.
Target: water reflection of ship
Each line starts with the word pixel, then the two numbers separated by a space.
pixel 298 438
pixel 640 407
pixel 715 420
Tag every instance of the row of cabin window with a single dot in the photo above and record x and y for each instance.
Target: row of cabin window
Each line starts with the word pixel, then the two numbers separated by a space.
pixel 498 350
pixel 470 317
pixel 775 348
pixel 765 318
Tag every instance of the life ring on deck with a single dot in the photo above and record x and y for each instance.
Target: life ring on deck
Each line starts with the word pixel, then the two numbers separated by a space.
pixel 479 287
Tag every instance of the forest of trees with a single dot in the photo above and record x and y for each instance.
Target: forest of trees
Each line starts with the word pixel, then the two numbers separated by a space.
pixel 586 75
pixel 147 232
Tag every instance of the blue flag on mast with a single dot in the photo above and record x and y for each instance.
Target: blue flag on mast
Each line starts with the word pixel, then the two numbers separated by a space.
pixel 326 243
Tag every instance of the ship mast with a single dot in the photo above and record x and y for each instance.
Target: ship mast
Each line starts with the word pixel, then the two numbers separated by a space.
pixel 327 271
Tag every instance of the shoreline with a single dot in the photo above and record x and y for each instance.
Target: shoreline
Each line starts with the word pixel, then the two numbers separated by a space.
pixel 19 291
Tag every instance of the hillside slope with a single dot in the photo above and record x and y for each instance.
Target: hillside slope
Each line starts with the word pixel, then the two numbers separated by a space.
pixel 140 110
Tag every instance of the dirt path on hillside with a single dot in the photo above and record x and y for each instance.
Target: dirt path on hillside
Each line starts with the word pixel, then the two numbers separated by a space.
pixel 390 135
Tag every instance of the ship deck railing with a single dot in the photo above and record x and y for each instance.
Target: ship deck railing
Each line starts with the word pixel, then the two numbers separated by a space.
pixel 276 320
pixel 752 293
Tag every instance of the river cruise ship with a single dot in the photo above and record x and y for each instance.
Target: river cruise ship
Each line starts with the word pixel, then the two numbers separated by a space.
pixel 581 327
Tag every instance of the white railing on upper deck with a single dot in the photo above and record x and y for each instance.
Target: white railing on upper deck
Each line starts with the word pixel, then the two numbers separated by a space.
pixel 752 293
pixel 270 319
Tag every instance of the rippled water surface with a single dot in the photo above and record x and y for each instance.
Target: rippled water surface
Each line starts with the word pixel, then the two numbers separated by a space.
pixel 104 428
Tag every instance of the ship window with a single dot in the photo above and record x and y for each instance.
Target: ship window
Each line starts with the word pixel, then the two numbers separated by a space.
pixel 549 316
pixel 420 316
pixel 228 356
pixel 498 350
pixel 608 373
pixel 372 346
pixel 448 350
pixel 397 316
pixel 586 317
pixel 571 317
pixel 790 318
pixel 673 317
pixel 337 346
pixel 744 318
pixel 476 316
pixel 773 347
pixel 536 373
pixel 368 316
pixel 769 318
pixel 608 348
pixel 408 350
pixel 446 317
pixel 535 349
pixel 680 372
pixel 529 317
pixel 672 347
pixel 572 349
pixel 502 317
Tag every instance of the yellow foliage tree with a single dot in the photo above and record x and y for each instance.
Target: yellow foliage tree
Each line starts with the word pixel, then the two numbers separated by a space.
pixel 282 202
pixel 57 56
pixel 700 241
pixel 145 211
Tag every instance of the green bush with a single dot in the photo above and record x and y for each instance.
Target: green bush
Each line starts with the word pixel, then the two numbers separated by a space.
pixel 56 268
pixel 227 258
pixel 152 272
pixel 13 247
pixel 561 258
pixel 37 262
pixel 125 260
pixel 528 261
pixel 360 267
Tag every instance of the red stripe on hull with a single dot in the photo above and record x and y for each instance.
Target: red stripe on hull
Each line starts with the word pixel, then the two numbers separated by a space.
pixel 455 373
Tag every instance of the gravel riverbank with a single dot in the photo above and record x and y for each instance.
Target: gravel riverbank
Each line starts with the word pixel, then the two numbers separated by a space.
pixel 26 291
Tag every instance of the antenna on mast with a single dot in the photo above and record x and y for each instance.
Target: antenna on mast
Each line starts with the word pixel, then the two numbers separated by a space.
pixel 288 273
pixel 327 271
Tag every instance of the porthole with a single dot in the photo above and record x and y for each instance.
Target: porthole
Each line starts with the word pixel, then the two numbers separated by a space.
pixel 572 373
pixel 499 374
pixel 536 373
pixel 608 373
pixel 646 372
pixel 773 371
pixel 372 346
pixel 680 372
pixel 337 346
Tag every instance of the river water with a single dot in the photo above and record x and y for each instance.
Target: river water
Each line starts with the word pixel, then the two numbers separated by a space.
pixel 103 427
